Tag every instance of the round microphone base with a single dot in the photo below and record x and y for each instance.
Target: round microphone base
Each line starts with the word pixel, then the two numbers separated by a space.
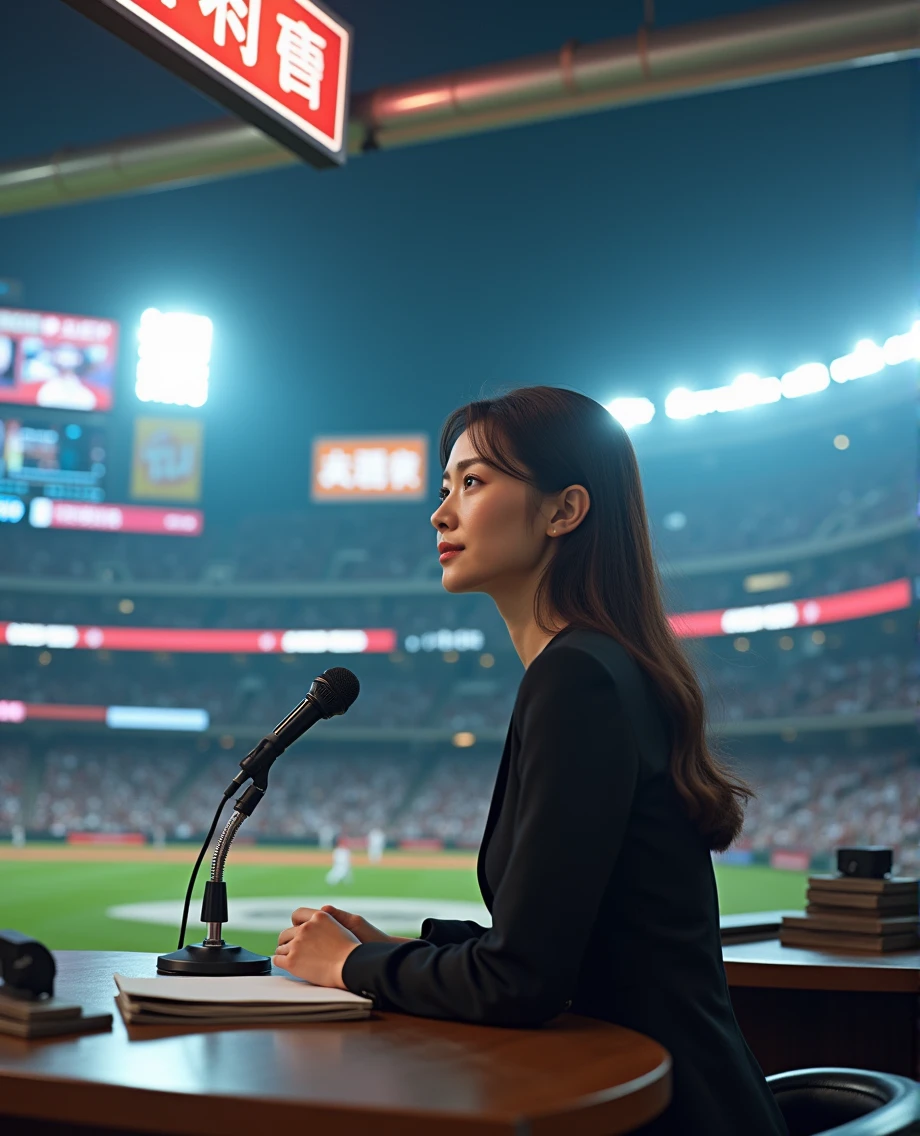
pixel 223 961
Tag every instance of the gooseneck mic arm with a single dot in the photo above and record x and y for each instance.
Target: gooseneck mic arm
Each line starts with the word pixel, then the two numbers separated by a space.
pixel 331 694
pixel 214 904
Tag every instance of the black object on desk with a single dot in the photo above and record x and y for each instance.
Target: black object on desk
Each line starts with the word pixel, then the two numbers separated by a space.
pixel 28 1007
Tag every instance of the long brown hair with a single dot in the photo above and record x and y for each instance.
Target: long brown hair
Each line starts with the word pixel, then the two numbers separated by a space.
pixel 603 575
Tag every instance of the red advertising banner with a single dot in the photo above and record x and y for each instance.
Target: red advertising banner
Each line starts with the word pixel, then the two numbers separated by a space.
pixel 13 712
pixel 862 602
pixel 425 844
pixel 894 596
pixel 67 636
pixel 790 859
pixel 60 712
pixel 282 65
pixel 47 514
pixel 106 838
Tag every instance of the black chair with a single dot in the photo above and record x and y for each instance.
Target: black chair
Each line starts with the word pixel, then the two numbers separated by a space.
pixel 847 1102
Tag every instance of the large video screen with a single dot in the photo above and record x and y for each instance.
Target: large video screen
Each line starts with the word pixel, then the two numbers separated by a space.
pixel 65 362
pixel 59 460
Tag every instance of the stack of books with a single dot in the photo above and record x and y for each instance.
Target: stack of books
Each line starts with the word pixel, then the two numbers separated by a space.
pixel 851 913
pixel 46 1017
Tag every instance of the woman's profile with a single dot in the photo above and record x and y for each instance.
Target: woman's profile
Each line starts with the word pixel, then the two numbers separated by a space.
pixel 595 863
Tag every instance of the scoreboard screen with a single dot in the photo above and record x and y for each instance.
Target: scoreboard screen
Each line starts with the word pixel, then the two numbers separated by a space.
pixel 51 459
pixel 57 361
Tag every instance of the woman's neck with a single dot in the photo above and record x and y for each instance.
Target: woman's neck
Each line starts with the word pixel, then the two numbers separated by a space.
pixel 529 639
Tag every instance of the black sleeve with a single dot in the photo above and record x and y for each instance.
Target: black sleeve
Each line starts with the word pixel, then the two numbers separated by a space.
pixel 441 931
pixel 578 770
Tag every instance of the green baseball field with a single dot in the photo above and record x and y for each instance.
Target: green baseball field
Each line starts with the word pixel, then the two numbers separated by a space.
pixel 130 898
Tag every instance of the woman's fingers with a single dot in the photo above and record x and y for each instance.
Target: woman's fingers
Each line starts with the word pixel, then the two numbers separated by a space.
pixel 302 915
pixel 286 935
pixel 343 917
pixel 282 949
pixel 346 918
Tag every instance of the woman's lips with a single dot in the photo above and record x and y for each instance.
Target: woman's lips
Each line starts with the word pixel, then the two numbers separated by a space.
pixel 449 555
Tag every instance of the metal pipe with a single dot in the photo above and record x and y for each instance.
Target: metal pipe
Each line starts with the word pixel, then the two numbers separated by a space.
pixel 773 43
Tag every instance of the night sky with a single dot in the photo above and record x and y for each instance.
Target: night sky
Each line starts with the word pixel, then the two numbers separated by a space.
pixel 617 252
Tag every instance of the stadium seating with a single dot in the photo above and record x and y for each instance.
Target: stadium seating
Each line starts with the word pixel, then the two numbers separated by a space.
pixel 804 803
pixel 836 684
pixel 706 509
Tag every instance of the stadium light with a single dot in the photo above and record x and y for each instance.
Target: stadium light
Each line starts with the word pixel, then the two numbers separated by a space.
pixel 630 412
pixel 173 358
pixel 680 404
pixel 902 348
pixel 745 391
pixel 748 390
pixel 866 358
pixel 809 378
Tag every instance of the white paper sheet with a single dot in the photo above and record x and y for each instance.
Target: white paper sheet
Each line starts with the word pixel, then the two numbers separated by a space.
pixel 269 990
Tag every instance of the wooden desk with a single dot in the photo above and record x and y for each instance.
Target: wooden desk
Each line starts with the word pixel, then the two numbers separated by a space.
pixel 800 1008
pixel 392 1075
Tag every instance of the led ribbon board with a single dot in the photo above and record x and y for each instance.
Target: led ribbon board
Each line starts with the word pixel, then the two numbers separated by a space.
pixel 283 65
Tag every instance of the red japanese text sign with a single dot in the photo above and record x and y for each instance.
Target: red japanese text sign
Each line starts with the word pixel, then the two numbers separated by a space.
pixel 282 65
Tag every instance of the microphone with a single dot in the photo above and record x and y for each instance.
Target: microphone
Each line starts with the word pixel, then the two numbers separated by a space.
pixel 332 693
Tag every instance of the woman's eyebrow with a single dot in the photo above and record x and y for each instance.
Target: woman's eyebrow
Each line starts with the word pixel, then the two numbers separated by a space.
pixel 465 464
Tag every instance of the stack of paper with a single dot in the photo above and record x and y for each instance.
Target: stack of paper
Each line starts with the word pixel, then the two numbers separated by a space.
pixel 272 1000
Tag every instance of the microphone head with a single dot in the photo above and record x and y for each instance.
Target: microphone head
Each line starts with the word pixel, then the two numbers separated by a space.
pixel 335 690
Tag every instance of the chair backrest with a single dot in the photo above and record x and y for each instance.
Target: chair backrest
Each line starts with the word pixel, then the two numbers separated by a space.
pixel 847 1102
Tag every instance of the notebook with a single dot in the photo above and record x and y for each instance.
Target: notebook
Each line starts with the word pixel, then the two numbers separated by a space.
pixel 272 1000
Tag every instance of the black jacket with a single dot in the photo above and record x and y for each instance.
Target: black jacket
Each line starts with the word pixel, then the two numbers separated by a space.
pixel 601 891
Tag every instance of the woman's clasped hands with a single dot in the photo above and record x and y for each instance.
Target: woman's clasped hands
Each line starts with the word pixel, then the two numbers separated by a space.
pixel 319 941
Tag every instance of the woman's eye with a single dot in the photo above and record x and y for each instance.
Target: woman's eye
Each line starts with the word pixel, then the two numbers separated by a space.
pixel 443 491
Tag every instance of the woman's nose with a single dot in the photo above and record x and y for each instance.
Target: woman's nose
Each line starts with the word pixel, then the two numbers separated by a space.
pixel 439 516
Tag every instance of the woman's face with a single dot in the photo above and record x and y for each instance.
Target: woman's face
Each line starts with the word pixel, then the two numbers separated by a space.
pixel 490 515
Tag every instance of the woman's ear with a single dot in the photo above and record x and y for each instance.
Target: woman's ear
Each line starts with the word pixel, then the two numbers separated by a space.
pixel 570 509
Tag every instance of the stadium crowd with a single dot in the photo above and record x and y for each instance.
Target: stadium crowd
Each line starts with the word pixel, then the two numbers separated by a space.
pixel 13 763
pixel 820 803
pixel 426 692
pixel 165 794
pixel 701 505
pixel 811 687
pixel 830 574
pixel 712 502
pixel 805 802
pixel 84 790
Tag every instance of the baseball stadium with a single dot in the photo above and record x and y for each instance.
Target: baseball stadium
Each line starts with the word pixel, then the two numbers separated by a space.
pixel 459 470
pixel 138 674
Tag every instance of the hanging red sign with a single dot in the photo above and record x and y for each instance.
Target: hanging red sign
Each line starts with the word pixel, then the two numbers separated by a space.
pixel 282 65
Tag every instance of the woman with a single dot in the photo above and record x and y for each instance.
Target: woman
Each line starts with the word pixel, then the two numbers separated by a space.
pixel 595 864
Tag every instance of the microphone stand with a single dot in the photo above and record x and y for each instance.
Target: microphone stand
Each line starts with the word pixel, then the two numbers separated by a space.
pixel 212 956
pixel 331 694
